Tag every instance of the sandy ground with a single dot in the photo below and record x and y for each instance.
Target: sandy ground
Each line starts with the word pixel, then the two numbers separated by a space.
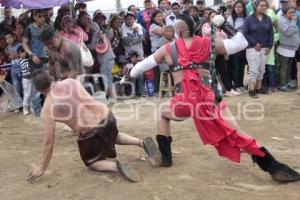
pixel 198 172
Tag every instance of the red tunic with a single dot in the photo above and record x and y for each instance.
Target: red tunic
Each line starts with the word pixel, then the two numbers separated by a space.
pixel 197 101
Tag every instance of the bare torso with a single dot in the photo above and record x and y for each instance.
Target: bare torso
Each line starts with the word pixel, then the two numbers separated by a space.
pixel 69 103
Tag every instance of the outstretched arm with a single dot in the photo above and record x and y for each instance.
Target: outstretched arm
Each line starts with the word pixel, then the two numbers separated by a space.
pixel 49 127
pixel 148 63
pixel 236 42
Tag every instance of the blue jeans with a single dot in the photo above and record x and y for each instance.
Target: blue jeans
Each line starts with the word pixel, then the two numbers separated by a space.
pixel 17 80
pixel 36 101
pixel 105 70
pixel 139 85
pixel 35 98
pixel 270 76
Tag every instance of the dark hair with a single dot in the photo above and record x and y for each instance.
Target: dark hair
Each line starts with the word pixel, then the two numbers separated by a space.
pixel 189 21
pixel 82 13
pixel 20 49
pixel 37 11
pixel 47 33
pixel 159 1
pixel 285 10
pixel 113 18
pixel 122 13
pixel 41 80
pixel 210 13
pixel 60 14
pixel 193 7
pixel 152 20
pixel 129 7
pixel 78 6
pixel 257 2
pixel 8 33
pixel 234 14
pixel 298 3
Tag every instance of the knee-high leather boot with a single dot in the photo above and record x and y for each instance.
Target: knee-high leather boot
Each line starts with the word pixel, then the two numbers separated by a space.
pixel 164 145
pixel 278 171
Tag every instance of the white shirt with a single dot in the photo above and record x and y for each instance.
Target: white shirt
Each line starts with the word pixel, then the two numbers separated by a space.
pixel 155 39
pixel 171 19
pixel 286 52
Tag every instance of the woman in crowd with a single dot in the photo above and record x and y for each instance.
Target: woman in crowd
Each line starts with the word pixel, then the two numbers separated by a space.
pixel 89 27
pixel 19 31
pixel 71 31
pixel 157 28
pixel 237 61
pixel 163 7
pixel 60 14
pixel 114 35
pixel 220 62
pixel 288 44
pixel 106 58
pixel 258 30
pixel 100 18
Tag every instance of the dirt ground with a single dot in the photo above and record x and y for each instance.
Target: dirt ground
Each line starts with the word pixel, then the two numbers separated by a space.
pixel 198 172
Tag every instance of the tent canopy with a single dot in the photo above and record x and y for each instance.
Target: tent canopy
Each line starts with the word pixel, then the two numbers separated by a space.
pixel 29 4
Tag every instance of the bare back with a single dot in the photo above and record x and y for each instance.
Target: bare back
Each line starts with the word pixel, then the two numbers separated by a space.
pixel 68 102
pixel 162 54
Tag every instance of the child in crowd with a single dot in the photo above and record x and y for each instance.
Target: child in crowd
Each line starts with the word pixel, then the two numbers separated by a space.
pixel 133 58
pixel 288 44
pixel 168 37
pixel 26 78
pixel 11 52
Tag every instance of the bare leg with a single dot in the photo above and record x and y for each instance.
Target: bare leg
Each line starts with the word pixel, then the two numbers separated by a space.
pixel 124 139
pixel 112 93
pixel 163 126
pixel 104 166
pixel 230 119
pixel 251 85
pixel 258 84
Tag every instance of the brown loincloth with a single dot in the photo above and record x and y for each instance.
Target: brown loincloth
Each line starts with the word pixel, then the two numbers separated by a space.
pixel 99 143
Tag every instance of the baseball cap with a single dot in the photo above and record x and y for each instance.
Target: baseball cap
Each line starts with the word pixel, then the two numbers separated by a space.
pixel 132 53
pixel 129 14
pixel 99 13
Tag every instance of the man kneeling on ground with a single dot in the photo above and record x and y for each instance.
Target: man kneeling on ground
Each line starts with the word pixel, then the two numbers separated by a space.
pixel 68 102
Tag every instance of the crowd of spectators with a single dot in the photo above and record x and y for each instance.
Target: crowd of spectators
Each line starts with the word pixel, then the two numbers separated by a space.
pixel 271 59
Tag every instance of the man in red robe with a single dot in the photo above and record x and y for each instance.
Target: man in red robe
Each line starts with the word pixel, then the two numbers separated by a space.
pixel 196 99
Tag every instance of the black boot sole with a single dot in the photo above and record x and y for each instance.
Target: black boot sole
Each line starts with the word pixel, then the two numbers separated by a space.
pixel 152 151
pixel 284 174
pixel 128 172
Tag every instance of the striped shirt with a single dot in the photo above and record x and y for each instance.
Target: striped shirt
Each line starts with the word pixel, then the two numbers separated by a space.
pixel 25 69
